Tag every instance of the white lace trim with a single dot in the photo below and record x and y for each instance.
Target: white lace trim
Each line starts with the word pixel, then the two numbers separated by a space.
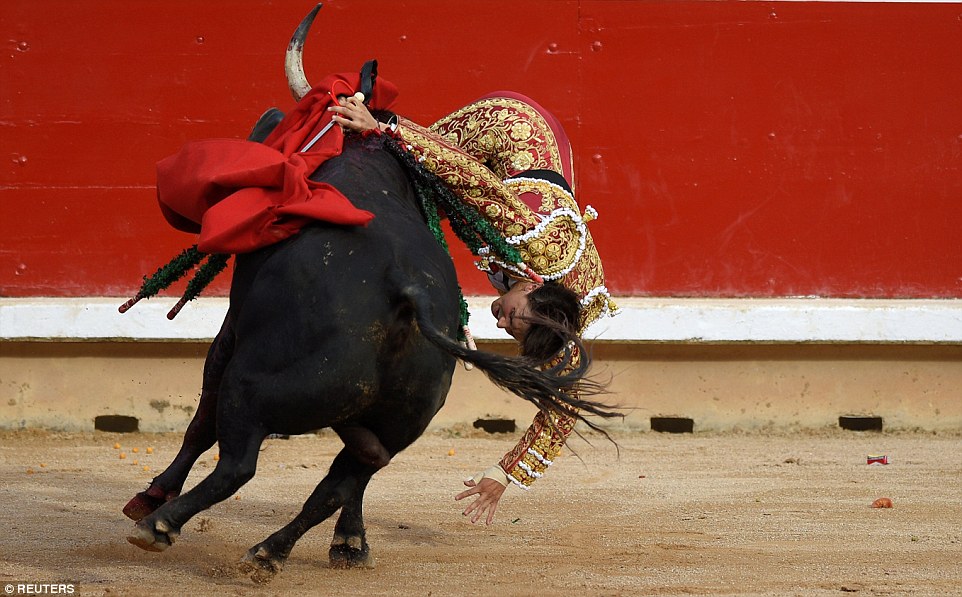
pixel 540 458
pixel 602 291
pixel 508 181
pixel 518 483
pixel 545 220
pixel 528 470
pixel 561 212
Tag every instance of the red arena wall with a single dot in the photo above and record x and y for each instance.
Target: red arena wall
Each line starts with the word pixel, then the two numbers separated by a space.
pixel 733 149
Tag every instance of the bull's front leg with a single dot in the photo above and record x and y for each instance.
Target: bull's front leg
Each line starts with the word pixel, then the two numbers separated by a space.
pixel 344 483
pixel 200 436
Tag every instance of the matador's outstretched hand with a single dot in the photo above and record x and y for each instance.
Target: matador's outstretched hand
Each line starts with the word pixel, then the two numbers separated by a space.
pixel 489 491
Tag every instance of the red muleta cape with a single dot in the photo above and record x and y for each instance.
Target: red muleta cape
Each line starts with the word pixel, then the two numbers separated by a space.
pixel 241 195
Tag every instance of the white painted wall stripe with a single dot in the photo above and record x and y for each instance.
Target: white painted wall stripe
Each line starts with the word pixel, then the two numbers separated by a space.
pixel 640 320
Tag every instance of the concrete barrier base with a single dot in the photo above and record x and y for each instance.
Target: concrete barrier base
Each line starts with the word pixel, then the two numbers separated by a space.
pixel 66 385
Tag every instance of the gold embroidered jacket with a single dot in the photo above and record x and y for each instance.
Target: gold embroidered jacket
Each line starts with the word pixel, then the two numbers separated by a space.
pixel 509 159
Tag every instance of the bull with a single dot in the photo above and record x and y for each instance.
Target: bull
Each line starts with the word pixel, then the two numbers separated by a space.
pixel 348 328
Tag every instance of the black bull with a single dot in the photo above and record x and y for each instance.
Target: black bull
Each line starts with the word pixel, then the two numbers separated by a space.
pixel 343 327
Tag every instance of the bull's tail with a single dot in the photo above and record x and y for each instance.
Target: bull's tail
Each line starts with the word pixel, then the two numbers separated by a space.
pixel 549 390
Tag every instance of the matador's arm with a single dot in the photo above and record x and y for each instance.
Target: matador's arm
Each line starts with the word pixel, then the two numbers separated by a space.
pixel 471 180
pixel 549 245
pixel 542 442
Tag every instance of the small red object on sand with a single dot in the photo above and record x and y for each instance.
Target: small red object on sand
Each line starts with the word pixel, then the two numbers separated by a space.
pixel 882 502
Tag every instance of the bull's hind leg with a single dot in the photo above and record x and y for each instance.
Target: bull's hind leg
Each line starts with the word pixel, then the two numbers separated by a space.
pixel 237 465
pixel 343 487
pixel 200 436
pixel 349 548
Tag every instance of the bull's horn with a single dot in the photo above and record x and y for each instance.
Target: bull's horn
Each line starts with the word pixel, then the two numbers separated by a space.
pixel 294 60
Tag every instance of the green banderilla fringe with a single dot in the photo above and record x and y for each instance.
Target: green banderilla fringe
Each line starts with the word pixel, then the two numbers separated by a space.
pixel 170 273
pixel 434 223
pixel 174 270
pixel 214 265
pixel 166 275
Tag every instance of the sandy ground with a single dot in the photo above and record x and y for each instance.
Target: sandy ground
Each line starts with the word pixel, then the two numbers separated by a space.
pixel 729 514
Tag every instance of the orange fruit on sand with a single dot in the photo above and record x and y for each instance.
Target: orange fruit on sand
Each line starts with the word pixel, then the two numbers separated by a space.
pixel 882 502
pixel 116 446
pixel 122 456
pixel 135 450
pixel 451 452
pixel 150 450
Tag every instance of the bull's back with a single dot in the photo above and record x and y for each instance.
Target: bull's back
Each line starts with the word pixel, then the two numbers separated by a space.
pixel 323 313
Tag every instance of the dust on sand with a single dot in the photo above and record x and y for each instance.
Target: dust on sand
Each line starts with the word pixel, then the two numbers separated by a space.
pixel 702 514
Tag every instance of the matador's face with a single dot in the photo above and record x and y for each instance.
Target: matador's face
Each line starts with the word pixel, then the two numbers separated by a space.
pixel 512 310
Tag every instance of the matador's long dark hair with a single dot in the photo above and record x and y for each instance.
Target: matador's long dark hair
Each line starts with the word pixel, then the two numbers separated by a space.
pixel 553 320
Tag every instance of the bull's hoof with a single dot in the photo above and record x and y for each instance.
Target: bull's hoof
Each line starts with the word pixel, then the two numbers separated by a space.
pixel 258 564
pixel 142 505
pixel 350 552
pixel 158 539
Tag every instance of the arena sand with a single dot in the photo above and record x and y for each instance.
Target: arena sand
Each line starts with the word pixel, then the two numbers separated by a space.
pixel 696 514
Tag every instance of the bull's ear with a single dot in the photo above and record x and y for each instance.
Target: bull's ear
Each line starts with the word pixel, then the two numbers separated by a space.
pixel 368 77
pixel 265 125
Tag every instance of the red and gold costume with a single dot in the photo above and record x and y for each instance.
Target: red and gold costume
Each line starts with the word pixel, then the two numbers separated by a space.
pixel 510 159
